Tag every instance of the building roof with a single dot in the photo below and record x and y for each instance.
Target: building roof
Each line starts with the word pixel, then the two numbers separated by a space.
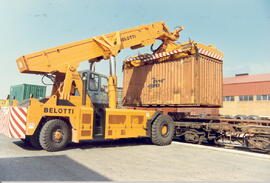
pixel 247 85
pixel 246 79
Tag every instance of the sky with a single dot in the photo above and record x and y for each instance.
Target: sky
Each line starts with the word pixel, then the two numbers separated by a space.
pixel 238 28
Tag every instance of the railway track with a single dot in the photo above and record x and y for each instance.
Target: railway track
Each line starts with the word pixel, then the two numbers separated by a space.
pixel 251 134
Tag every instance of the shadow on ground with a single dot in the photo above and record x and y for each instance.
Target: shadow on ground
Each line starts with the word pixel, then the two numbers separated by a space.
pixel 95 144
pixel 131 142
pixel 46 168
pixel 109 143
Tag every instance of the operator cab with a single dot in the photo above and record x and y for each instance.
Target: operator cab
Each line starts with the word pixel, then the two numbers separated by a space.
pixel 96 86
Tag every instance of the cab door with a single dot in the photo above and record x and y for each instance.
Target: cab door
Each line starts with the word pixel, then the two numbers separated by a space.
pixel 98 92
pixel 98 88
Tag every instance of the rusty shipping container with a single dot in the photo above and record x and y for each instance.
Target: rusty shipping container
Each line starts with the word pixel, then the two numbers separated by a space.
pixel 188 81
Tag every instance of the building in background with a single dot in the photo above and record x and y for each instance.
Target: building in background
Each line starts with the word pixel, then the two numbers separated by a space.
pixel 246 95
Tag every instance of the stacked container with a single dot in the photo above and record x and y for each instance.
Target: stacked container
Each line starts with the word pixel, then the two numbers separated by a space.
pixel 26 91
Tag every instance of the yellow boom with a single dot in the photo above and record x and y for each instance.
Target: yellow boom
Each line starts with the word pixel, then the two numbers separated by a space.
pixel 94 49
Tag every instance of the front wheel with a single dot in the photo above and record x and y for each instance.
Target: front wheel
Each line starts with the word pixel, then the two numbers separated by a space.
pixel 54 135
pixel 162 130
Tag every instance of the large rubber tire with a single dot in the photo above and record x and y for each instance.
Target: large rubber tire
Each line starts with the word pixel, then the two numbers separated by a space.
pixel 47 140
pixel 157 136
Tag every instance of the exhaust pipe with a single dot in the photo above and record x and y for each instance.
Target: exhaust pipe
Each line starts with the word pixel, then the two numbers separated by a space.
pixel 112 84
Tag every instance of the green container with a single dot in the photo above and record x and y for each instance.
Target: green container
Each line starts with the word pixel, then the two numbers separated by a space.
pixel 25 91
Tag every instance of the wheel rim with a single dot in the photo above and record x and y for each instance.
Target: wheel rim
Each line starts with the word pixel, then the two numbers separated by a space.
pixel 192 137
pixel 58 136
pixel 164 129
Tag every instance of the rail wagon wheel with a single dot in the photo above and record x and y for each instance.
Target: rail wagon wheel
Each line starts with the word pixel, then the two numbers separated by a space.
pixel 258 144
pixel 162 130
pixel 192 136
pixel 54 135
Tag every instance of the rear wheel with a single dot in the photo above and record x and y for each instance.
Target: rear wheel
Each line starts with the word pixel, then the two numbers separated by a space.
pixel 54 135
pixel 192 136
pixel 162 130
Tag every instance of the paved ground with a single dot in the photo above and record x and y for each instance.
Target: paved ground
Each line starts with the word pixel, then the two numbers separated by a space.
pixel 129 160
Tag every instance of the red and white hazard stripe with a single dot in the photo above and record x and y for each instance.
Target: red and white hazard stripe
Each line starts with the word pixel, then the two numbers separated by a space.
pixel 13 121
pixel 210 54
pixel 4 121
pixel 146 58
pixel 18 122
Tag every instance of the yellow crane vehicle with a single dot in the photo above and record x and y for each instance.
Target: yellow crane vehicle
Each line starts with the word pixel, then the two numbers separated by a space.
pixel 80 106
pixel 8 102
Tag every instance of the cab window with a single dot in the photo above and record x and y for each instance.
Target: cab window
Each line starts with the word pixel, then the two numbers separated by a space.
pixel 93 82
pixel 103 84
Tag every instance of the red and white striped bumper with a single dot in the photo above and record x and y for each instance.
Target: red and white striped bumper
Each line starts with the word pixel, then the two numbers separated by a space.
pixel 13 121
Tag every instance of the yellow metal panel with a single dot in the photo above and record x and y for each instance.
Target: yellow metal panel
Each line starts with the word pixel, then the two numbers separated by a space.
pixel 124 123
pixel 3 103
pixel 86 124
